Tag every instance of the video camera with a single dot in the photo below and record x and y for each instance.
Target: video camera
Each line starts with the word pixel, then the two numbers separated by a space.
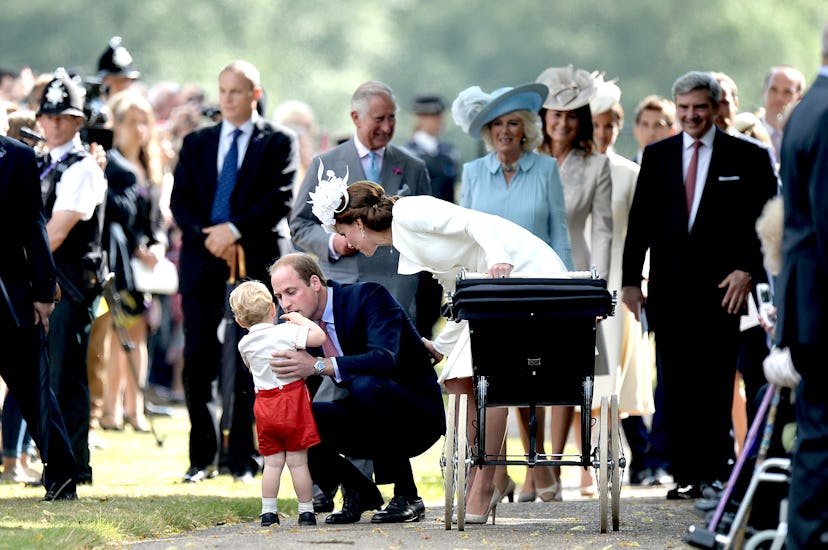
pixel 96 128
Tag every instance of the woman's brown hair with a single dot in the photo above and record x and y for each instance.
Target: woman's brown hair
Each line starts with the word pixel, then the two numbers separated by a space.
pixel 368 202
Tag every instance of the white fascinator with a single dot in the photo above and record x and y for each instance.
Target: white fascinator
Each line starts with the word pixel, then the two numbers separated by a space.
pixel 467 105
pixel 607 94
pixel 330 197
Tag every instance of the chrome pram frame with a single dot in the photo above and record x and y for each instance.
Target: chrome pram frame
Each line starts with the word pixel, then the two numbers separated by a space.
pixel 540 307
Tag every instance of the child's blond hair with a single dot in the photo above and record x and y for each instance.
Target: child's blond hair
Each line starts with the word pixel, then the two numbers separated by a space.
pixel 769 228
pixel 252 303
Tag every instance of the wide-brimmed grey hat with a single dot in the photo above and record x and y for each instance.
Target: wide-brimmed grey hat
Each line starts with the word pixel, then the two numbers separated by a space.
pixel 474 108
pixel 569 88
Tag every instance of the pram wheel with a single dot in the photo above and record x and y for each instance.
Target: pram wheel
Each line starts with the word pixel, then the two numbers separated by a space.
pixel 447 460
pixel 603 466
pixel 454 461
pixel 617 472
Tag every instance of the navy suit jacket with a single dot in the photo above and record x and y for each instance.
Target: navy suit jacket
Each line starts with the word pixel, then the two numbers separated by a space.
pixel 378 339
pixel 261 197
pixel 27 272
pixel 687 267
pixel 802 286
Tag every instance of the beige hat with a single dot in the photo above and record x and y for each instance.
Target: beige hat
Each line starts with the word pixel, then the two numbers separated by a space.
pixel 569 88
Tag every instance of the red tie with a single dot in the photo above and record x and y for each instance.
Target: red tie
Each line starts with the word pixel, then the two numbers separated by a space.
pixel 690 180
pixel 328 347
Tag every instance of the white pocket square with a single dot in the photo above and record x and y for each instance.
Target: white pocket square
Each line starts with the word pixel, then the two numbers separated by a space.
pixel 729 178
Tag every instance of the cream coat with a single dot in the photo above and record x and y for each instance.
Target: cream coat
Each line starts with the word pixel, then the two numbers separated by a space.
pixel 587 188
pixel 628 351
pixel 443 238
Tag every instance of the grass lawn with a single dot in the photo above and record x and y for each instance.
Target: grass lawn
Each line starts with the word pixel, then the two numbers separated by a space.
pixel 138 494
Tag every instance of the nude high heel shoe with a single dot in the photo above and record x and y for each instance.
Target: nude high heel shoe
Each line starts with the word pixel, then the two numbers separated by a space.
pixel 553 492
pixel 508 492
pixel 497 496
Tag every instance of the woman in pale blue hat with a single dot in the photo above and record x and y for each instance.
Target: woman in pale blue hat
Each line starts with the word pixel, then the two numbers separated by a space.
pixel 516 183
pixel 512 181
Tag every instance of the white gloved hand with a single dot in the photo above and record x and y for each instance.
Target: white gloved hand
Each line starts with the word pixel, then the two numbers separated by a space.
pixel 779 368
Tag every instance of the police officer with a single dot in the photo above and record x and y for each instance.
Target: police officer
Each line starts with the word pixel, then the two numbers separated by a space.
pixel 73 189
pixel 115 68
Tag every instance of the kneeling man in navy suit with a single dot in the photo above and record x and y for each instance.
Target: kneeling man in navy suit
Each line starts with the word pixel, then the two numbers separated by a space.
pixel 394 408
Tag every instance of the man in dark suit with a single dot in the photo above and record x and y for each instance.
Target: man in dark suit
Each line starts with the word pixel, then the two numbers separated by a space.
pixel 27 293
pixel 802 298
pixel 696 201
pixel 367 155
pixel 232 186
pixel 373 112
pixel 394 409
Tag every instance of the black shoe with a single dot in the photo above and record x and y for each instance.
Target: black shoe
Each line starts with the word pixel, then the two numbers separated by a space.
pixel 353 504
pixel 323 504
pixel 65 490
pixel 194 475
pixel 686 492
pixel 307 518
pixel 401 510
pixel 269 518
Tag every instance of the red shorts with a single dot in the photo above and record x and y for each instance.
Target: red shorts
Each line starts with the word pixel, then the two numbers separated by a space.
pixel 284 419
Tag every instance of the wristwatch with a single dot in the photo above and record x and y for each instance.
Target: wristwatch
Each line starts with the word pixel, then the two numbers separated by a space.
pixel 319 366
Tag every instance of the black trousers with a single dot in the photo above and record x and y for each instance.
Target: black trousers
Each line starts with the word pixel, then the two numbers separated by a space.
pixel 68 341
pixel 381 420
pixel 28 381
pixel 698 368
pixel 808 498
pixel 203 309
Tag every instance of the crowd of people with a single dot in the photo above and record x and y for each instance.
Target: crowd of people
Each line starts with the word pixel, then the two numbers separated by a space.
pixel 358 244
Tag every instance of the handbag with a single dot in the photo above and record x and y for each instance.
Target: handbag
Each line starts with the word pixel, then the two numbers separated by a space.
pixel 162 279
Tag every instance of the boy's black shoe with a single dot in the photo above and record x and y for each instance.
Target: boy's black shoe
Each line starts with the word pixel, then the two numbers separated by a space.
pixel 269 518
pixel 307 518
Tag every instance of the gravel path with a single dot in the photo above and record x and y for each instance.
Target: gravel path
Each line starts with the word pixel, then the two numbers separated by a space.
pixel 648 521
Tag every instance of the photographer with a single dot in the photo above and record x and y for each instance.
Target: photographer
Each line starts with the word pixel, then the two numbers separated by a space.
pixel 73 189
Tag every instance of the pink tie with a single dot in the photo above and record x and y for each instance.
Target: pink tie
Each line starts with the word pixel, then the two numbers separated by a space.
pixel 328 347
pixel 690 180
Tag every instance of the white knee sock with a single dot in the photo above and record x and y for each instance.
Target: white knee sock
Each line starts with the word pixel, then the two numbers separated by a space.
pixel 269 505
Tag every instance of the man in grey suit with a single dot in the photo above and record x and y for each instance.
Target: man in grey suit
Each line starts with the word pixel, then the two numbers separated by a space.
pixel 802 299
pixel 368 155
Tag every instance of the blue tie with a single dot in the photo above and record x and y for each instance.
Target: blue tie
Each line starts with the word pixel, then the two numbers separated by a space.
pixel 226 181
pixel 373 168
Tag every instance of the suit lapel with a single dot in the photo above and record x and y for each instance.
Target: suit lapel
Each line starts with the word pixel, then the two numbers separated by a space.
pixel 340 316
pixel 210 163
pixel 716 157
pixel 254 148
pixel 392 174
